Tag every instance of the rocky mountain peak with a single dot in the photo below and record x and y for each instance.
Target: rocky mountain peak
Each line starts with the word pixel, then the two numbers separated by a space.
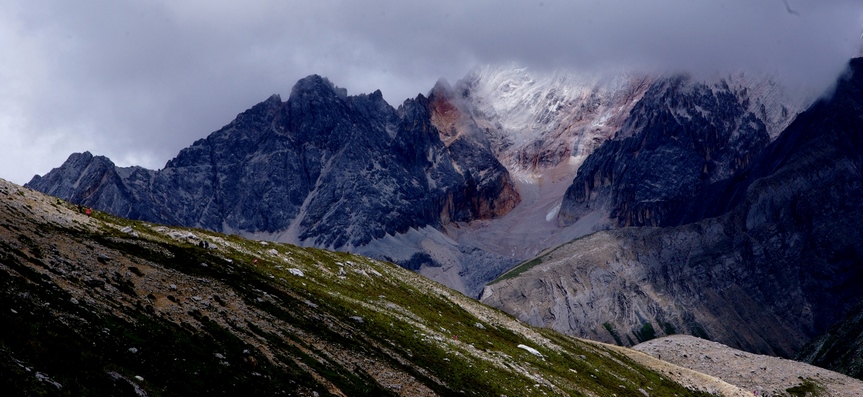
pixel 315 85
pixel 80 169
pixel 330 170
pixel 80 161
pixel 321 169
pixel 442 89
pixel 683 135
pixel 376 99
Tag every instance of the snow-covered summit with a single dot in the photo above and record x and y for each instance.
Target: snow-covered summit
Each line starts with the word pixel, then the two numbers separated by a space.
pixel 539 120
pixel 542 119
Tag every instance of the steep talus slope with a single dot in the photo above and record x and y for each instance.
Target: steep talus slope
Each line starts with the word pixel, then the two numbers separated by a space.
pixel 776 271
pixel 770 376
pixel 106 306
pixel 321 169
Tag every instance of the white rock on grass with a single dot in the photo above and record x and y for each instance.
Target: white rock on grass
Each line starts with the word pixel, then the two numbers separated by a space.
pixel 531 350
pixel 296 272
pixel 44 378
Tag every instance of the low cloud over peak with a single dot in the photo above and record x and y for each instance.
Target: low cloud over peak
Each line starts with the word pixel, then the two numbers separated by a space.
pixel 139 81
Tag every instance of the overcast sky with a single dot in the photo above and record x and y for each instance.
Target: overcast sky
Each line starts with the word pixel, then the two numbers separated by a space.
pixel 139 80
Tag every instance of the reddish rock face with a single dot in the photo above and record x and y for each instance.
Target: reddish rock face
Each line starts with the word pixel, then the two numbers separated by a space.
pixel 505 200
pixel 491 194
pixel 445 117
pixel 501 197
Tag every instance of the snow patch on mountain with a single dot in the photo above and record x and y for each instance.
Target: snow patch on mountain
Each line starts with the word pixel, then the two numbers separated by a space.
pixel 552 214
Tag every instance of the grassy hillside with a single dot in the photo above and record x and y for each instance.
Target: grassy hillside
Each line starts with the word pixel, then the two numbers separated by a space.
pixel 96 305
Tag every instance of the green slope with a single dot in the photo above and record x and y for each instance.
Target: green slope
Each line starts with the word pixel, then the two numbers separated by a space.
pixel 107 306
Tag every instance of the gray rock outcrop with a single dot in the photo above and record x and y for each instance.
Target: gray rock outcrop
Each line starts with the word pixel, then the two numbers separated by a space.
pixel 769 376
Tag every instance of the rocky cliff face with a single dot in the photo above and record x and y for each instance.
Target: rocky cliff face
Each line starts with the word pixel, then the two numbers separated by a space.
pixel 681 136
pixel 320 169
pixel 775 271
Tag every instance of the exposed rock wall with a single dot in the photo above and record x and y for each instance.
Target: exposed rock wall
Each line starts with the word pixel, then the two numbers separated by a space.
pixel 681 136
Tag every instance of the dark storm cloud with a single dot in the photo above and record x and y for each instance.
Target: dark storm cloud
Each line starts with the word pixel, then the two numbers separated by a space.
pixel 138 81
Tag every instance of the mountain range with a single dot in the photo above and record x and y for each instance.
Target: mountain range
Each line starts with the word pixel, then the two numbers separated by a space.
pixel 640 205
pixel 460 184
